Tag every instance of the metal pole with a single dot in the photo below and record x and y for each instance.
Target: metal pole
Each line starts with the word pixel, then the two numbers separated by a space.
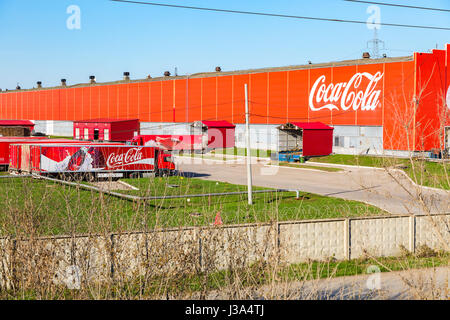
pixel 247 136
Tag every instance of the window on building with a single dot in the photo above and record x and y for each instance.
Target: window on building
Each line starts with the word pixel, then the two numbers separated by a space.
pixel 106 134
pixel 77 133
pixel 86 134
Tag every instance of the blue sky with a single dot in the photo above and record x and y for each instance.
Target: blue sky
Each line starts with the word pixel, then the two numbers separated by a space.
pixel 116 37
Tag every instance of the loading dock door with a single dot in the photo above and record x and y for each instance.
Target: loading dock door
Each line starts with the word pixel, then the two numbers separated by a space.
pixel 290 140
pixel 96 134
pixel 307 139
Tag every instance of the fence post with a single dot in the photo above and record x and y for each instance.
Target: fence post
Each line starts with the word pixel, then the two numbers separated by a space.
pixel 412 234
pixel 347 239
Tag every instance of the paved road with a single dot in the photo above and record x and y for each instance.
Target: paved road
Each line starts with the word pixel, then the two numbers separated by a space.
pixel 395 194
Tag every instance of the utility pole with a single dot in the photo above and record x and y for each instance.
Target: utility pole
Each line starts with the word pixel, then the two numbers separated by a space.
pixel 249 158
pixel 375 44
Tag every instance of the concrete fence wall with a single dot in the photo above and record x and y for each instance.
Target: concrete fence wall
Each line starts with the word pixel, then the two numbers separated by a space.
pixel 187 250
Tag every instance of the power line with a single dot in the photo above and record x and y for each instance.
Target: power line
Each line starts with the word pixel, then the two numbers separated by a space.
pixel 280 15
pixel 399 5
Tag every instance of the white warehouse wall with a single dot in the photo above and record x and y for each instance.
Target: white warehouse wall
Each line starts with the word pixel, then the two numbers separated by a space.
pixel 346 139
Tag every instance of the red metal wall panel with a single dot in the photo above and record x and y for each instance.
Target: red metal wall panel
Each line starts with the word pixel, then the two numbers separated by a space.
pixel 133 100
pixel 317 142
pixel 297 101
pixel 209 102
pixel 144 102
pixel 238 115
pixel 113 102
pixel 258 97
pixel 398 106
pixel 224 98
pixel 167 101
pixel 180 101
pixel 94 103
pixel 221 137
pixel 86 103
pixel 430 90
pixel 447 86
pixel 194 99
pixel 155 102
pixel 277 96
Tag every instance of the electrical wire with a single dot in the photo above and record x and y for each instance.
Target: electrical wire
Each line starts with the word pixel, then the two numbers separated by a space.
pixel 280 15
pixel 399 5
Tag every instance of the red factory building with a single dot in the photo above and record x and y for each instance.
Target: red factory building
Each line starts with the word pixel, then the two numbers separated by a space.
pixel 388 105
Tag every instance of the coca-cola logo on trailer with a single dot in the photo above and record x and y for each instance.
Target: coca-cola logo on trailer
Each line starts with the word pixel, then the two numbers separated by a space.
pixel 346 95
pixel 132 156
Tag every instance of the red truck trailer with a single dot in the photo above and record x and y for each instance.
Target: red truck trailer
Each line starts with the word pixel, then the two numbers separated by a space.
pixel 92 161
pixel 169 142
pixel 5 142
pixel 16 156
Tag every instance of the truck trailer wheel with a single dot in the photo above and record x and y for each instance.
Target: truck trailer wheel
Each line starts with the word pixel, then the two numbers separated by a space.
pixel 135 175
pixel 163 173
pixel 89 177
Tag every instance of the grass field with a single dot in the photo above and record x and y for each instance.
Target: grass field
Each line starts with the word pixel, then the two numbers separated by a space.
pixel 299 165
pixel 47 208
pixel 314 270
pixel 257 275
pixel 243 152
pixel 431 174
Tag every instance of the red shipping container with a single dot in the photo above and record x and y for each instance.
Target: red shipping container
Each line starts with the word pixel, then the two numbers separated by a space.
pixel 106 129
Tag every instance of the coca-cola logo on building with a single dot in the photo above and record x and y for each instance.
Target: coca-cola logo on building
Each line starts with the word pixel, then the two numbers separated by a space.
pixel 346 95
pixel 132 156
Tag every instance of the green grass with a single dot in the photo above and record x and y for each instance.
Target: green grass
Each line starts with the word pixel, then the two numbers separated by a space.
pixel 365 161
pixel 427 173
pixel 49 209
pixel 298 165
pixel 243 152
pixel 257 275
pixel 209 156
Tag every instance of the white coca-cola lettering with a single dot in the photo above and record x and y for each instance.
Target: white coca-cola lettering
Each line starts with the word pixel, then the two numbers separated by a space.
pixel 131 156
pixel 346 95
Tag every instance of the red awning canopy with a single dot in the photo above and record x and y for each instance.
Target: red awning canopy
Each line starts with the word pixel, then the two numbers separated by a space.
pixel 25 123
pixel 218 124
pixel 104 120
pixel 306 126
